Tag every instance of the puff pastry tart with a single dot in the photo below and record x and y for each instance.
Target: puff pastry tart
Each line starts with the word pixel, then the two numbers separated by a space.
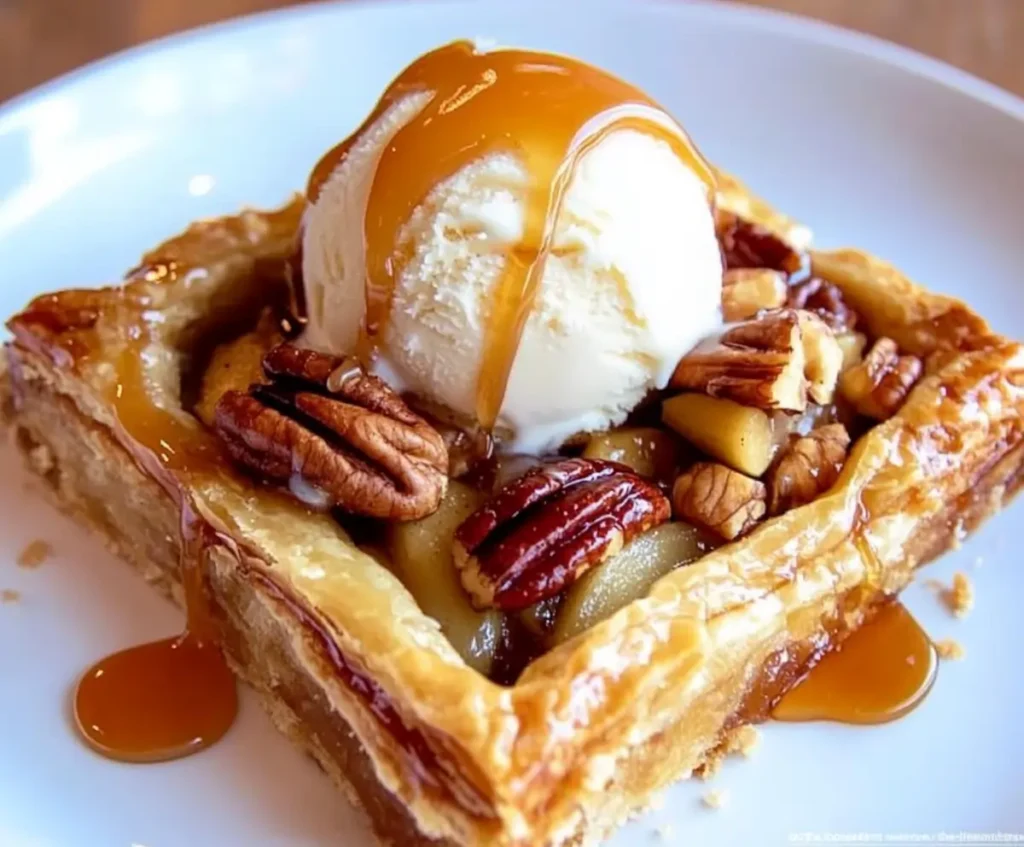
pixel 490 650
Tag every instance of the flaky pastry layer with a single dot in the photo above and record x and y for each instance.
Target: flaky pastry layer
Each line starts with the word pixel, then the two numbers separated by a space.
pixel 593 728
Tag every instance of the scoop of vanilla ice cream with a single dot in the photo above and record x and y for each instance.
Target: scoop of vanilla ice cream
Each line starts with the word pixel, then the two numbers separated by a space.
pixel 632 283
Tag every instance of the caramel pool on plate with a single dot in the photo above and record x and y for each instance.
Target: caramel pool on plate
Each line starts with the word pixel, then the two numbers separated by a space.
pixel 880 672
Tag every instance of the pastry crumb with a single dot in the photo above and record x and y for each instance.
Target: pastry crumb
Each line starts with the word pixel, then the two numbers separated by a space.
pixel 978 561
pixel 664 831
pixel 958 597
pixel 34 554
pixel 950 649
pixel 715 799
pixel 744 740
pixel 712 765
pixel 9 595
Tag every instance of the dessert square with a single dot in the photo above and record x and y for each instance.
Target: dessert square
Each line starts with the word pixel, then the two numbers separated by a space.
pixel 481 647
pixel 349 667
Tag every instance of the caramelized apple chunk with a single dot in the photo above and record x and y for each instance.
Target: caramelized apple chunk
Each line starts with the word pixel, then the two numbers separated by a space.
pixel 852 344
pixel 739 436
pixel 627 576
pixel 650 452
pixel 747 291
pixel 235 365
pixel 422 559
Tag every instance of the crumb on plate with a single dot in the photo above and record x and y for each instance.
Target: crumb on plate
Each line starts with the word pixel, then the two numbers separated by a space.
pixel 9 595
pixel 958 597
pixel 35 553
pixel 743 740
pixel 664 831
pixel 715 799
pixel 950 649
pixel 657 802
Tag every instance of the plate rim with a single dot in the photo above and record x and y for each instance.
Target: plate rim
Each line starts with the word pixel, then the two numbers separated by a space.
pixel 786 23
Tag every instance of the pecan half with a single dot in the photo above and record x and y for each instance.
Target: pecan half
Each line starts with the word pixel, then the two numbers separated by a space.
pixel 335 436
pixel 825 300
pixel 719 499
pixel 545 529
pixel 880 383
pixel 746 244
pixel 747 291
pixel 809 466
pixel 771 362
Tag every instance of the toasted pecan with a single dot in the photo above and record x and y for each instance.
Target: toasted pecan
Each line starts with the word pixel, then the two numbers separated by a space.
pixel 878 386
pixel 335 436
pixel 825 300
pixel 773 361
pixel 807 467
pixel 545 529
pixel 719 499
pixel 746 244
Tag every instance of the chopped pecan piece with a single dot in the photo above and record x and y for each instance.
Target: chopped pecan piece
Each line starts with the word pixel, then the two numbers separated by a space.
pixel 771 362
pixel 545 529
pixel 719 499
pixel 335 436
pixel 749 245
pixel 881 382
pixel 825 300
pixel 809 466
pixel 747 291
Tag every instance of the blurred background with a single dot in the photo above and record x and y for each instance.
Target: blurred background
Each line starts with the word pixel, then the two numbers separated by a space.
pixel 40 39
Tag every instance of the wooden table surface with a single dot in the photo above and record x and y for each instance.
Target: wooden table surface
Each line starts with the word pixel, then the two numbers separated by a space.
pixel 40 39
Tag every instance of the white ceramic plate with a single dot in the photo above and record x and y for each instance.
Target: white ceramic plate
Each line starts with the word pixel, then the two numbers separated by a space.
pixel 870 144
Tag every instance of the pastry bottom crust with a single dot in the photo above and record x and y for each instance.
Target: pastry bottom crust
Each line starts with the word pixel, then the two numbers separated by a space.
pixel 94 479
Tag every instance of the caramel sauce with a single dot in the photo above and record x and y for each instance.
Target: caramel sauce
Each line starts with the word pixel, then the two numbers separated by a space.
pixel 173 697
pixel 879 673
pixel 171 442
pixel 549 111
pixel 165 699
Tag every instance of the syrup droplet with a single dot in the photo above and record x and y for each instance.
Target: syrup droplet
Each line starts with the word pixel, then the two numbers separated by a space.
pixel 165 699
pixel 548 110
pixel 156 701
pixel 880 673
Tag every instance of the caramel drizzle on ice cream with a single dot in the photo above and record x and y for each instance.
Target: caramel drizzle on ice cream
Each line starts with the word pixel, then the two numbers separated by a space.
pixel 548 110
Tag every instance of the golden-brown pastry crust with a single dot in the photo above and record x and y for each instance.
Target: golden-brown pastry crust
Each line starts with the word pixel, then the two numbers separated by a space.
pixel 603 721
